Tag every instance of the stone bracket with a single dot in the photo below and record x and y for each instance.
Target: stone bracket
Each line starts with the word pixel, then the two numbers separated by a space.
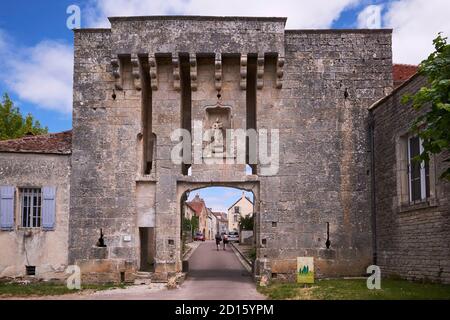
pixel 117 73
pixel 153 71
pixel 193 67
pixel 176 72
pixel 280 72
pixel 218 72
pixel 260 72
pixel 244 64
pixel 136 72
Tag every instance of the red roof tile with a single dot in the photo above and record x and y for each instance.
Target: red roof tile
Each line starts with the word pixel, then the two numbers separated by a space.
pixel 402 72
pixel 52 143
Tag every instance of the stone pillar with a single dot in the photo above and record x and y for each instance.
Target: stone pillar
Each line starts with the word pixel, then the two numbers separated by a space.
pixel 166 118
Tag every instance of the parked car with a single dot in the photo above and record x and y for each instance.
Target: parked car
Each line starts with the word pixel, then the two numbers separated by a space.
pixel 233 236
pixel 199 236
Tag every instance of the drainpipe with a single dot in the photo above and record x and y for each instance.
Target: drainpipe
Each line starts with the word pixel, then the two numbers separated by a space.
pixel 373 186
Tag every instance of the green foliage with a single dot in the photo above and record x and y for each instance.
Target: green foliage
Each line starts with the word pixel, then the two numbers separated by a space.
pixel 13 125
pixel 186 224
pixel 252 254
pixel 434 126
pixel 246 223
pixel 195 224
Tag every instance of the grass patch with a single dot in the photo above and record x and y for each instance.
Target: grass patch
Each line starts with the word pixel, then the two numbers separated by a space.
pixel 357 290
pixel 47 289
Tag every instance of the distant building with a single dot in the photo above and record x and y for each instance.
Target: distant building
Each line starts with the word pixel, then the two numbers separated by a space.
pixel 198 208
pixel 222 222
pixel 241 208
pixel 212 225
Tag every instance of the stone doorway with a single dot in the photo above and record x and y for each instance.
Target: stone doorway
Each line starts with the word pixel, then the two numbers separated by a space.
pixel 147 245
pixel 219 201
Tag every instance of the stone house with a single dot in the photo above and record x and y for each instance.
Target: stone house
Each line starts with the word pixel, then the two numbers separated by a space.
pixel 34 205
pixel 139 81
pixel 212 225
pixel 411 203
pixel 222 222
pixel 241 208
pixel 198 207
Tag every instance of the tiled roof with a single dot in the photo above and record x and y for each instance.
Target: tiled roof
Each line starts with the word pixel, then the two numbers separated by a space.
pixel 196 206
pixel 52 143
pixel 402 72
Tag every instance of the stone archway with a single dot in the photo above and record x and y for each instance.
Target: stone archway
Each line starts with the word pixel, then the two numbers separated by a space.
pixel 186 187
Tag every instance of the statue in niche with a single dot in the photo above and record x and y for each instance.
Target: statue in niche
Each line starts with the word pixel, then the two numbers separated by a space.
pixel 218 146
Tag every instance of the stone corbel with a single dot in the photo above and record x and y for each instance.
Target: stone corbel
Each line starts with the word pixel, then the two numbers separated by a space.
pixel 280 72
pixel 117 74
pixel 260 72
pixel 244 62
pixel 176 72
pixel 136 72
pixel 193 66
pixel 218 72
pixel 153 71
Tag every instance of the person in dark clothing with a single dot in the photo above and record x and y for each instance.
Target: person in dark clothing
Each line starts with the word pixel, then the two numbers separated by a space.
pixel 218 240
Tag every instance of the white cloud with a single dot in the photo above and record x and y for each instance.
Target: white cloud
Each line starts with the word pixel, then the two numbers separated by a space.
pixel 416 23
pixel 42 75
pixel 300 13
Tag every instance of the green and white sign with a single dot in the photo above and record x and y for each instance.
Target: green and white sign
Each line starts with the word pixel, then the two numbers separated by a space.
pixel 305 270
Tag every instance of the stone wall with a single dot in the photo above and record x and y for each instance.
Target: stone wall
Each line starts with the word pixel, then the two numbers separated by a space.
pixel 47 250
pixel 104 163
pixel 413 241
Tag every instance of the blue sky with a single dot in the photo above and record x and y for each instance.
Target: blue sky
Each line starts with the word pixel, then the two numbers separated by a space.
pixel 219 199
pixel 36 47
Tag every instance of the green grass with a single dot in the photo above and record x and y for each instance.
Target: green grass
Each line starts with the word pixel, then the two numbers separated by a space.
pixel 356 290
pixel 46 289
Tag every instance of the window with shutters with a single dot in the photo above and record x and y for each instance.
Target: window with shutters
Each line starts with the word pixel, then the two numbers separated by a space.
pixel 31 207
pixel 418 172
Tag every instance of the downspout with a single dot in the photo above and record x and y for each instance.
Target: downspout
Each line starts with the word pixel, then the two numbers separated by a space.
pixel 373 187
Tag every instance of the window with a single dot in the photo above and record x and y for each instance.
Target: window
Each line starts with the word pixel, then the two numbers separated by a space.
pixel 235 218
pixel 31 207
pixel 418 173
pixel 237 209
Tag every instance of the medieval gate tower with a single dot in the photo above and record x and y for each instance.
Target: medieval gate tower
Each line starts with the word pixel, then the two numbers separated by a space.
pixel 144 78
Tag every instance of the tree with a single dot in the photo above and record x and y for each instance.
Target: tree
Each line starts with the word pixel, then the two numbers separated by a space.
pixel 13 125
pixel 433 127
pixel 195 224
pixel 246 223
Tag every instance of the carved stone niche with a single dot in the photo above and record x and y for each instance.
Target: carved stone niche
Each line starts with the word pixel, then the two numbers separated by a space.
pixel 217 121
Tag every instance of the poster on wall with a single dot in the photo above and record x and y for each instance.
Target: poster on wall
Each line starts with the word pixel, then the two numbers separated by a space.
pixel 305 270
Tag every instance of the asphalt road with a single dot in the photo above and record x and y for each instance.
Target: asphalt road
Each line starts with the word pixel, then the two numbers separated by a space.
pixel 213 275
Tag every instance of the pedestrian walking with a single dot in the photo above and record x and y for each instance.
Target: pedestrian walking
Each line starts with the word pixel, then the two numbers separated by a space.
pixel 225 241
pixel 218 240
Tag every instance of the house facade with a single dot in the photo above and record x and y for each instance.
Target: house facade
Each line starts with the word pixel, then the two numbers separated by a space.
pixel 412 204
pixel 241 208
